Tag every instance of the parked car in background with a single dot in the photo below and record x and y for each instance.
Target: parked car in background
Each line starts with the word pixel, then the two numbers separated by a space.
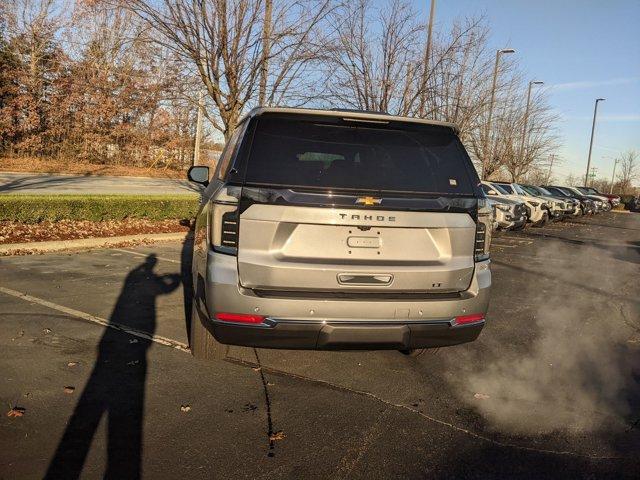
pixel 613 199
pixel 320 230
pixel 601 203
pixel 606 203
pixel 584 205
pixel 559 208
pixel 508 214
pixel 537 212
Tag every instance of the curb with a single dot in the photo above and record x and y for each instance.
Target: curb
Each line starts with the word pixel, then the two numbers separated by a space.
pixel 88 243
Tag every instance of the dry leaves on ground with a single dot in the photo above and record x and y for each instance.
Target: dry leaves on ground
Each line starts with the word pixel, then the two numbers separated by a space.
pixel 16 412
pixel 17 232
pixel 275 436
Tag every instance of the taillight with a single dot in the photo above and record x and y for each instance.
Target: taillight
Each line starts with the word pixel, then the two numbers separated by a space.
pixel 239 318
pixel 224 220
pixel 483 232
pixel 464 319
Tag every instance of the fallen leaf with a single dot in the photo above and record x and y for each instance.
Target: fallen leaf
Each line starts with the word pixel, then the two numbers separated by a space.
pixel 270 384
pixel 481 396
pixel 256 369
pixel 72 364
pixel 279 435
pixel 185 408
pixel 69 389
pixel 16 412
pixel 46 330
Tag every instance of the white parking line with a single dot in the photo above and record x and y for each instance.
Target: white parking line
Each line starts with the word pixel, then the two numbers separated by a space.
pixel 97 320
pixel 146 255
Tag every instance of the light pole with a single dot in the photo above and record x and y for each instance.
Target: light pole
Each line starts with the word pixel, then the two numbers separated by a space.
pixel 613 175
pixel 487 145
pixel 526 118
pixel 593 128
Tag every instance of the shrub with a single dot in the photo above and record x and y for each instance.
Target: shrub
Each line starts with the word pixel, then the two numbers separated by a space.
pixel 38 208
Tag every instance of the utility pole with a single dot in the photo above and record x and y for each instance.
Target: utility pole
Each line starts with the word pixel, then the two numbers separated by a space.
pixel 525 122
pixel 427 59
pixel 196 146
pixel 613 175
pixel 592 175
pixel 593 128
pixel 487 140
pixel 551 157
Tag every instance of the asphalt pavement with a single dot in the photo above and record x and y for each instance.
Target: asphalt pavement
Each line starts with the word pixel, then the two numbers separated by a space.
pixel 551 389
pixel 47 184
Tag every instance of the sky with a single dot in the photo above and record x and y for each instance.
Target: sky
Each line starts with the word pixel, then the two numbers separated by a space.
pixel 582 50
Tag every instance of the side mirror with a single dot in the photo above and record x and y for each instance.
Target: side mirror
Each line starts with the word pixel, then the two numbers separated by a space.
pixel 199 174
pixel 491 192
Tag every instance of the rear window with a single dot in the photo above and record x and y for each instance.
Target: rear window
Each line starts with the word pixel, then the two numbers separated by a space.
pixel 358 156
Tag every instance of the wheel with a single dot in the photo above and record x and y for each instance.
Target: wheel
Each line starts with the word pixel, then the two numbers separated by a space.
pixel 543 221
pixel 203 345
pixel 416 352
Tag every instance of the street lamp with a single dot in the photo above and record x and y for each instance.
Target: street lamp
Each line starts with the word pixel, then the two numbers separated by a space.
pixel 491 102
pixel 593 127
pixel 526 118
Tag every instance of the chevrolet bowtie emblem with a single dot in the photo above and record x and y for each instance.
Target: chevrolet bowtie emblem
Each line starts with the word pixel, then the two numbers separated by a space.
pixel 368 201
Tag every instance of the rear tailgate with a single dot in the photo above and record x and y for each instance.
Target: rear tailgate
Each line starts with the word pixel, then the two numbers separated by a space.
pixel 329 249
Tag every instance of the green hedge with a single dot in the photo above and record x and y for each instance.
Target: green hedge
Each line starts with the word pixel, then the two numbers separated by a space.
pixel 37 208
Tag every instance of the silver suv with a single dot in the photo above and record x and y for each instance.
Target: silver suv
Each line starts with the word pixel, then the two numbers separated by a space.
pixel 339 230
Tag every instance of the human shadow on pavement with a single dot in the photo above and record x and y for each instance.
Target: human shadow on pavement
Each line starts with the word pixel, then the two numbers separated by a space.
pixel 116 386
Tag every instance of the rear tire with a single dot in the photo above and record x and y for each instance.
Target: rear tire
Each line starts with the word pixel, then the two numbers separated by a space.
pixel 203 345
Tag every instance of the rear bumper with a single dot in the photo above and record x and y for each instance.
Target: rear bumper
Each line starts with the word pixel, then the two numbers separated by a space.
pixel 323 335
pixel 326 322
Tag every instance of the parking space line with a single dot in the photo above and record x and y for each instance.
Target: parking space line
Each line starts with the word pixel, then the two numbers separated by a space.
pixel 145 255
pixel 168 342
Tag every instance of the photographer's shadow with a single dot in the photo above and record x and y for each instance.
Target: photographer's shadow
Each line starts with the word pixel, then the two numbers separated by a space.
pixel 116 386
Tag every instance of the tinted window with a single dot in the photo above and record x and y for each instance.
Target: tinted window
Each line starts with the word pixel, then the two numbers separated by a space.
pixel 530 190
pixel 519 189
pixel 556 191
pixel 504 188
pixel 337 154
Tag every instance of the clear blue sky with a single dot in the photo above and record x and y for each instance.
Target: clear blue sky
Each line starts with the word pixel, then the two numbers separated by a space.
pixel 582 50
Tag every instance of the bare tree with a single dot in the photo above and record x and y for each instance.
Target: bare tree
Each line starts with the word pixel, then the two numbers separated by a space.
pixel 373 64
pixel 222 42
pixel 629 170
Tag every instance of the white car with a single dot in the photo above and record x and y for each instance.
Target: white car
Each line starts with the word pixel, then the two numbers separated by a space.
pixel 557 207
pixel 508 214
pixel 536 208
